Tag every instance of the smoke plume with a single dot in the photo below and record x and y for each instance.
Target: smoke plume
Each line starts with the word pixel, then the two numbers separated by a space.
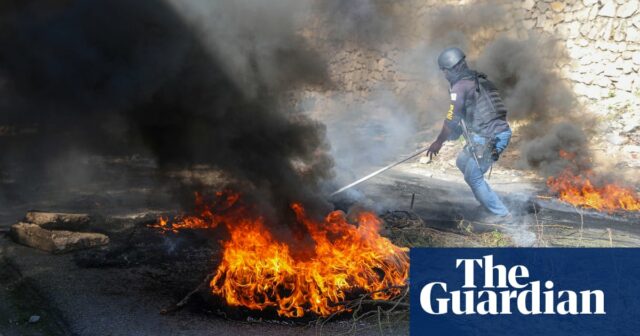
pixel 197 82
pixel 535 94
pixel 189 82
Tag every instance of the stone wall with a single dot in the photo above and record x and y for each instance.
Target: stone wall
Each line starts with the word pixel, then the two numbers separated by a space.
pixel 602 39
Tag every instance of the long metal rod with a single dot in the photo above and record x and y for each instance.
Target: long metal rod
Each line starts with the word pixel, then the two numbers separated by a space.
pixel 379 171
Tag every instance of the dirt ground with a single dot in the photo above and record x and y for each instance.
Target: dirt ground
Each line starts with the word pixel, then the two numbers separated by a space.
pixel 125 297
pixel 82 294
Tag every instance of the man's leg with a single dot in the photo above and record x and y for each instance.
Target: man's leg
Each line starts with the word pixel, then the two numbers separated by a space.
pixel 474 177
pixel 461 160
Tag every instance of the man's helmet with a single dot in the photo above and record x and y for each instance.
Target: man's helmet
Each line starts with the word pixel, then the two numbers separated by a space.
pixel 450 57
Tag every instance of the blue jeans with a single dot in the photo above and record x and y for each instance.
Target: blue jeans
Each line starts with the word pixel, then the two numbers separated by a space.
pixel 474 175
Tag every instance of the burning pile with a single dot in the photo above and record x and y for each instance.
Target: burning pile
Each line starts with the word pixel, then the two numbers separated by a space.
pixel 258 272
pixel 581 190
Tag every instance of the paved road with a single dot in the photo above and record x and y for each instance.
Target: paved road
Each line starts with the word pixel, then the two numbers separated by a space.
pixel 117 301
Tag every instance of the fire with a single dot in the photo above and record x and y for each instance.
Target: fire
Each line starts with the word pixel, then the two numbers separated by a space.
pixel 580 191
pixel 206 219
pixel 257 271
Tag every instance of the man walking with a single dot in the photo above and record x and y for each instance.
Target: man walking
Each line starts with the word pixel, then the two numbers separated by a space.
pixel 477 112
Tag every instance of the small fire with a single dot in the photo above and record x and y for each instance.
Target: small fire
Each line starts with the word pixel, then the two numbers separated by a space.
pixel 579 190
pixel 257 271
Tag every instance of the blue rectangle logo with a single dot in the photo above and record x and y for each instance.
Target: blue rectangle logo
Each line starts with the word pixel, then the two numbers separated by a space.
pixel 525 291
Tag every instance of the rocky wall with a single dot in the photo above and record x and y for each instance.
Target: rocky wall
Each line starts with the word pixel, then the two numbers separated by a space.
pixel 602 39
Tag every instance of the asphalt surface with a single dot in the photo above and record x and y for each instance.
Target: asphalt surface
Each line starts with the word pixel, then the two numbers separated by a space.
pixel 119 301
pixel 94 301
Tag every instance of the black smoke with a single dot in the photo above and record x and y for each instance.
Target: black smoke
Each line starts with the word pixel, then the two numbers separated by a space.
pixel 118 77
pixel 535 94
pixel 365 23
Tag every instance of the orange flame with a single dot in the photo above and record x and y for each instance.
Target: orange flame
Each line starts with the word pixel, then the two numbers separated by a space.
pixel 580 191
pixel 257 271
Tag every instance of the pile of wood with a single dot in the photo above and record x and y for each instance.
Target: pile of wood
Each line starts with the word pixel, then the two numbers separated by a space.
pixel 56 232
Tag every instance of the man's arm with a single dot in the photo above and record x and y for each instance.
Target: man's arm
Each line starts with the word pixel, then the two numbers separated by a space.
pixel 452 119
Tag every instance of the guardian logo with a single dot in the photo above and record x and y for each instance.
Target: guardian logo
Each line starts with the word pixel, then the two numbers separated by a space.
pixel 524 291
pixel 505 291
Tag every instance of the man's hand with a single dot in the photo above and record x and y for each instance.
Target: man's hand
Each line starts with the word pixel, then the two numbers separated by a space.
pixel 434 149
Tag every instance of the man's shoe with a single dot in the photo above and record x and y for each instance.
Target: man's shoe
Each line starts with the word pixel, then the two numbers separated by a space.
pixel 495 219
pixel 476 213
pixel 480 209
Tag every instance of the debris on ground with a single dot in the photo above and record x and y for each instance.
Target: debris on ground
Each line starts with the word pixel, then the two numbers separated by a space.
pixel 51 232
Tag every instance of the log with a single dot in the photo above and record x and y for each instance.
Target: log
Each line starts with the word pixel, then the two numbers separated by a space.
pixel 58 220
pixel 55 241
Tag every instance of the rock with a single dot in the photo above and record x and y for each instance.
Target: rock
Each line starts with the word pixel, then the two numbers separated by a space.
pixel 577 5
pixel 602 45
pixel 424 160
pixel 635 57
pixel 574 29
pixel 58 220
pixel 627 9
pixel 619 34
pixel 579 52
pixel 586 28
pixel 34 318
pixel 542 8
pixel 602 81
pixel 607 31
pixel 557 6
pixel 57 241
pixel 593 32
pixel 633 34
pixel 528 24
pixel 586 61
pixel 590 91
pixel 636 21
pixel 614 56
pixel 593 12
pixel 619 47
pixel 578 77
pixel 582 42
pixel 596 68
pixel 587 78
pixel 625 83
pixel 589 2
pixel 528 4
pixel 612 70
pixel 631 149
pixel 568 16
pixel 631 124
pixel 616 139
pixel 608 10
